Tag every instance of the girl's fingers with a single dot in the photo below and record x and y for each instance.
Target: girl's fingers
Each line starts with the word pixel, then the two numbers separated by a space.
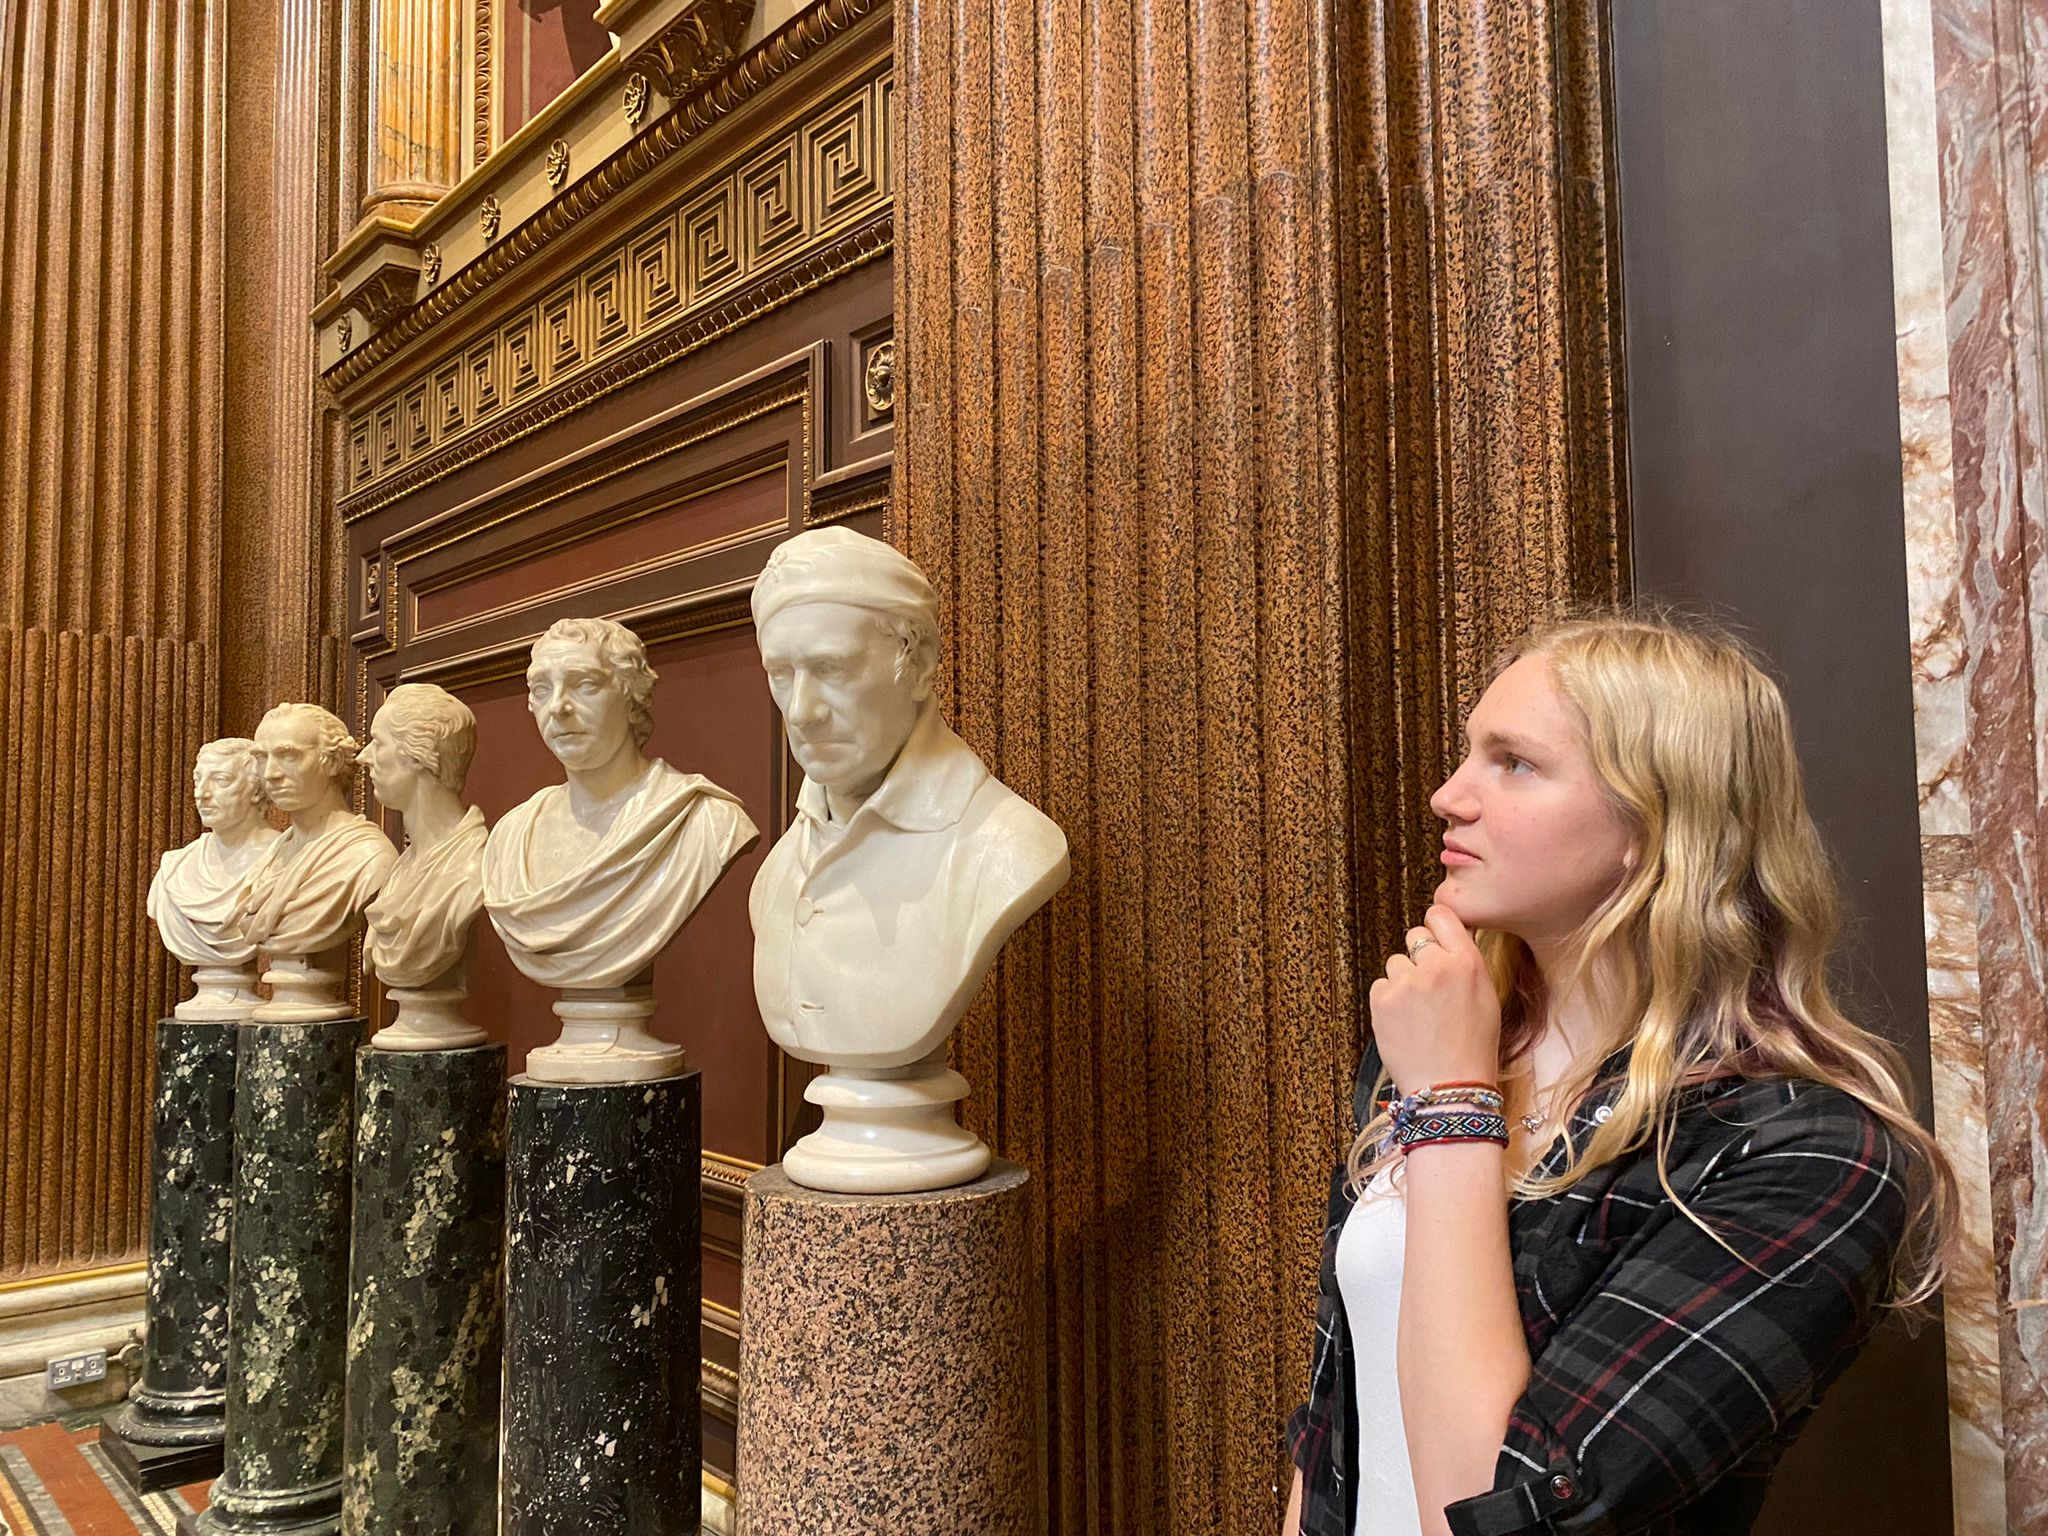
pixel 1443 925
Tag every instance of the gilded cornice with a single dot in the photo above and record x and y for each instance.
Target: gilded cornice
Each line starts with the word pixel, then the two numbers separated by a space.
pixel 768 61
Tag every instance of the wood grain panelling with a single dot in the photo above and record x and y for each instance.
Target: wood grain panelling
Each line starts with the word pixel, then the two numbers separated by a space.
pixel 110 271
pixel 103 732
pixel 1257 374
pixel 157 488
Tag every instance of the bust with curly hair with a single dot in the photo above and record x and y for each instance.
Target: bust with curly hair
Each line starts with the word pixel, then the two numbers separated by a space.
pixel 193 898
pixel 589 879
pixel 304 898
pixel 417 935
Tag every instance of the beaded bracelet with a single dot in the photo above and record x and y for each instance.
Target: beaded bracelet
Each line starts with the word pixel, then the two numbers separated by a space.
pixel 1478 1096
pixel 1454 1126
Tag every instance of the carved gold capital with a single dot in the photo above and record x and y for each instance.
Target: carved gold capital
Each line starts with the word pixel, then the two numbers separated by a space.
pixel 676 46
pixel 375 273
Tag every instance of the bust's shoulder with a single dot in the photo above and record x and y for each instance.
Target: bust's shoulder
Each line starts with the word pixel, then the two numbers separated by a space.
pixel 1009 827
pixel 521 816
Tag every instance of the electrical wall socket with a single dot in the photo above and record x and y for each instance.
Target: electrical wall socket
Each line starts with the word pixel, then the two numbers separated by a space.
pixel 76 1370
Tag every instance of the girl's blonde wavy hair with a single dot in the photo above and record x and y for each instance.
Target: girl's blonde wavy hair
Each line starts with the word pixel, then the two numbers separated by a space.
pixel 1716 942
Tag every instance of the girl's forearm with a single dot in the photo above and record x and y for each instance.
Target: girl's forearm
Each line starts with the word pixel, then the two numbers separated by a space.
pixel 1463 1359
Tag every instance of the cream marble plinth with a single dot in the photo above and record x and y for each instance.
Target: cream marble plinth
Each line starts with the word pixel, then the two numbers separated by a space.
pixel 604 1039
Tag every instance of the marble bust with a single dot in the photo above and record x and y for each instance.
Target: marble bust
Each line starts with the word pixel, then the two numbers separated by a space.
pixel 304 898
pixel 195 897
pixel 416 935
pixel 878 914
pixel 589 880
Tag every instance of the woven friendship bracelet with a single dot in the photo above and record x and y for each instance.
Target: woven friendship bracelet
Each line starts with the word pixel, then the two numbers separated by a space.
pixel 1401 1113
pixel 1454 1125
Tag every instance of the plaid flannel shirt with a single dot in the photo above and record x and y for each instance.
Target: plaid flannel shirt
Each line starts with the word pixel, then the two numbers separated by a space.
pixel 1667 1377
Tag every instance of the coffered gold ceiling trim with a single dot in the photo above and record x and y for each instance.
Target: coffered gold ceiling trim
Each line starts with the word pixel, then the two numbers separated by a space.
pixel 768 61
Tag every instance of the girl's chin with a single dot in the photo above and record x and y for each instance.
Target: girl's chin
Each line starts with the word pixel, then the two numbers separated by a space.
pixel 1467 911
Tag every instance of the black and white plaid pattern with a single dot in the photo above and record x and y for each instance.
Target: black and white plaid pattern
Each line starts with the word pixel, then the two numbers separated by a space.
pixel 1668 1374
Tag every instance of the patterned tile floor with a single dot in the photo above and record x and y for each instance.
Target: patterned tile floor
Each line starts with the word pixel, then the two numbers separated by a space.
pixel 55 1482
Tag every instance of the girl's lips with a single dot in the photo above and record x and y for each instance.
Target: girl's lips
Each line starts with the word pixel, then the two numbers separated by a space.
pixel 1456 857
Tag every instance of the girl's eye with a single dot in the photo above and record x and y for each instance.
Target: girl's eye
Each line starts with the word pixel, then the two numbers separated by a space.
pixel 1518 764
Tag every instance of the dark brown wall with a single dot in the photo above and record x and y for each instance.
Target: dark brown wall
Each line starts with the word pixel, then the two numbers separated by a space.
pixel 1765 485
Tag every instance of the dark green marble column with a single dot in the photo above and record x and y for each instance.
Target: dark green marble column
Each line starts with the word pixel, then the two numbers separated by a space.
pixel 602 1309
pixel 288 1304
pixel 170 1430
pixel 420 1445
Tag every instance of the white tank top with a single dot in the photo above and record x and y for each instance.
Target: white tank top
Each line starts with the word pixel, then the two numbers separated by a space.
pixel 1369 1251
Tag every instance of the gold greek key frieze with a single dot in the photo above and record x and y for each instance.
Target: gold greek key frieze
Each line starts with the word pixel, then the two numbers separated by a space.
pixel 801 38
pixel 784 205
pixel 859 245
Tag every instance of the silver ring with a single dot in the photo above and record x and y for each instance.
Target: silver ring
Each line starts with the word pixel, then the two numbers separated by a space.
pixel 1420 945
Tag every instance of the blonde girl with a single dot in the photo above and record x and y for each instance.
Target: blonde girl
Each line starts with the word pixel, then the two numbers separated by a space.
pixel 1629 1190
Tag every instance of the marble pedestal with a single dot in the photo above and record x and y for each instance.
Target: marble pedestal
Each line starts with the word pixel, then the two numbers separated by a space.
pixel 884 1386
pixel 170 1430
pixel 288 1312
pixel 602 1309
pixel 420 1436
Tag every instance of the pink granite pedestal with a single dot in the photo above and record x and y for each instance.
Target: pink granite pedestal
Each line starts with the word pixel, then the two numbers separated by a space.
pixel 884 1364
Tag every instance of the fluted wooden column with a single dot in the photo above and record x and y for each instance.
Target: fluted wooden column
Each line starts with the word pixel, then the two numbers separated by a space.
pixel 1481 366
pixel 153 502
pixel 110 441
pixel 1257 381
pixel 416 105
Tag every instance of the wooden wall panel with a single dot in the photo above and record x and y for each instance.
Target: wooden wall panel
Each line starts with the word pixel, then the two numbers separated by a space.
pixel 101 734
pixel 110 352
pixel 1259 375
pixel 110 271
pixel 159 490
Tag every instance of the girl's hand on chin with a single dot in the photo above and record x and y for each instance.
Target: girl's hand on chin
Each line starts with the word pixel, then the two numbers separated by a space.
pixel 1436 1016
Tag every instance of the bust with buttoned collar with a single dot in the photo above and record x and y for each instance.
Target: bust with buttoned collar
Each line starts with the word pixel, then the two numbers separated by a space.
pixel 879 913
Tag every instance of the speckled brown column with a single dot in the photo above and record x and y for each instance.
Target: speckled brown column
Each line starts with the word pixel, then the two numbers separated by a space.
pixel 884 1380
